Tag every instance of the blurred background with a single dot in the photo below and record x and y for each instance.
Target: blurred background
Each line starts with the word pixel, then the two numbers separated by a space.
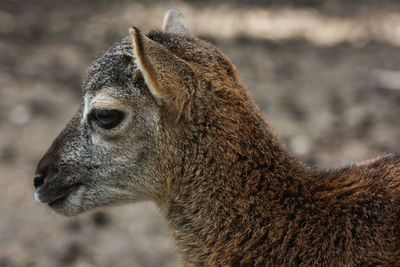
pixel 325 73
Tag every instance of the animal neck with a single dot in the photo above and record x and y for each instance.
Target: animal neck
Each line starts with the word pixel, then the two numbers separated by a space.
pixel 232 179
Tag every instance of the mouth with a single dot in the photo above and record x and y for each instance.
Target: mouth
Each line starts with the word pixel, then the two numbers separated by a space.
pixel 67 200
pixel 67 192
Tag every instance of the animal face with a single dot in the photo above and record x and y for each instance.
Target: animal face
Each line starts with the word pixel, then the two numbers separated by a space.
pixel 104 155
pixel 145 101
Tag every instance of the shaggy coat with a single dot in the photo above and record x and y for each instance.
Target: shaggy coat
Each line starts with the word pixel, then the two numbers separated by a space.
pixel 166 118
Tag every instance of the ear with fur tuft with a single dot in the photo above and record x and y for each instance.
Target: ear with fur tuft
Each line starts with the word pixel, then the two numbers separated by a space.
pixel 168 77
pixel 174 22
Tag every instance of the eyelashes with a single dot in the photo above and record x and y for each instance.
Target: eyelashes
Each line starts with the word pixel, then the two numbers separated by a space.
pixel 106 118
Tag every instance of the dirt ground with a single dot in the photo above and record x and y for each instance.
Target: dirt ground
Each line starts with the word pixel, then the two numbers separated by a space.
pixel 324 73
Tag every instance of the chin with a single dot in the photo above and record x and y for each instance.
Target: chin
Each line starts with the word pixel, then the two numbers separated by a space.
pixel 67 209
pixel 72 204
pixel 82 198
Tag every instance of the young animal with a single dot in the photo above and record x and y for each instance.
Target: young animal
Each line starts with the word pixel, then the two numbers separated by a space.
pixel 166 118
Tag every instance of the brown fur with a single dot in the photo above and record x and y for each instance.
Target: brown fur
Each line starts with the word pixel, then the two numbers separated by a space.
pixel 230 191
pixel 239 198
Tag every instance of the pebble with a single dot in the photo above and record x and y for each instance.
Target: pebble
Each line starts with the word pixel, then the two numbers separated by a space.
pixel 20 114
pixel 300 144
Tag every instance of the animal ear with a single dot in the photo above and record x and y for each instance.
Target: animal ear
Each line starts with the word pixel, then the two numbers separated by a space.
pixel 174 22
pixel 168 77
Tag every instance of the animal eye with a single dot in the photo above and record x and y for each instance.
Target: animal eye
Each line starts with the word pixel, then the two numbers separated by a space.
pixel 106 118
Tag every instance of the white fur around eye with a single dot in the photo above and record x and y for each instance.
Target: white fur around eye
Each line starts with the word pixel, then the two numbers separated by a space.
pixel 85 108
pixel 104 101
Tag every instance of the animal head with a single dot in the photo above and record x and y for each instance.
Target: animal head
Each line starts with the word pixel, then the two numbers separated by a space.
pixel 148 103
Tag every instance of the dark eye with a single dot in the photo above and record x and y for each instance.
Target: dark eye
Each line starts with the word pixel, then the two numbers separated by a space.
pixel 106 118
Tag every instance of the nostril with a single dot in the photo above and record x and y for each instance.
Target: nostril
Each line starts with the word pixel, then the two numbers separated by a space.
pixel 38 179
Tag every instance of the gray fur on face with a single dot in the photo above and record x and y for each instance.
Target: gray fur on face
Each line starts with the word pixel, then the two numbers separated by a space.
pixel 96 160
pixel 114 68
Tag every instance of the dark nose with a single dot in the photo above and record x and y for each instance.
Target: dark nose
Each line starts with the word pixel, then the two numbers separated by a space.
pixel 38 179
pixel 46 169
pixel 47 166
pixel 43 174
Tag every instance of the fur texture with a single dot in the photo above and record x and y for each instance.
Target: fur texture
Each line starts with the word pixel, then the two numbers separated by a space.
pixel 194 142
